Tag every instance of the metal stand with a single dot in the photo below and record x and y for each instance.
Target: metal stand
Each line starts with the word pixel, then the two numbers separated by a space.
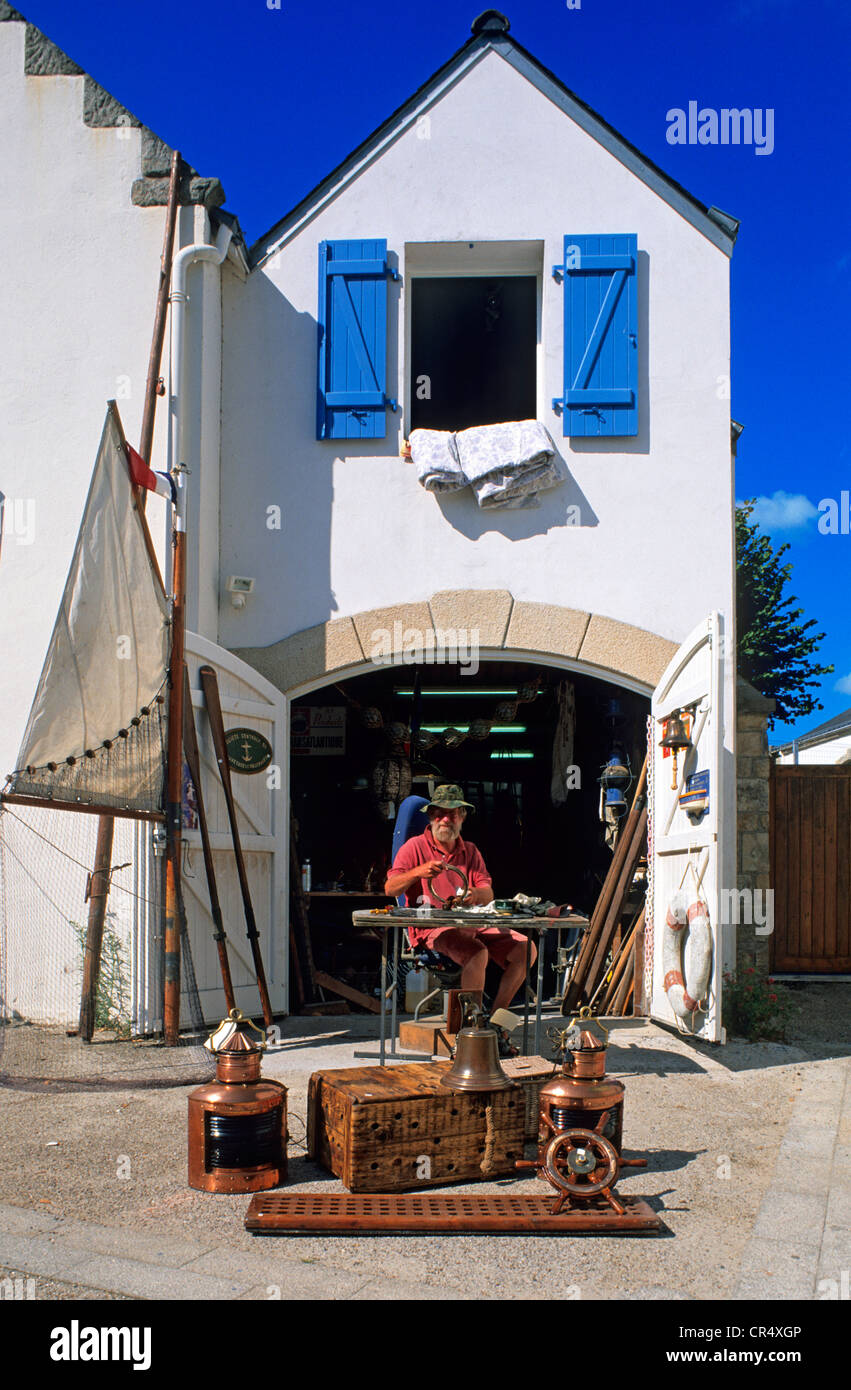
pixel 382 1053
pixel 390 921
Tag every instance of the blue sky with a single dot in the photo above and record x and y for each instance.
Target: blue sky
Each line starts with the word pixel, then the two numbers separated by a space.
pixel 270 99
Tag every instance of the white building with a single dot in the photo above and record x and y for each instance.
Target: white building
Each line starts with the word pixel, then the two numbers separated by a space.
pixel 595 289
pixel 829 742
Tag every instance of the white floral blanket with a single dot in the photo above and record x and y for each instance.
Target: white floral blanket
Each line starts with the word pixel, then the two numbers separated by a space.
pixel 506 465
pixel 436 460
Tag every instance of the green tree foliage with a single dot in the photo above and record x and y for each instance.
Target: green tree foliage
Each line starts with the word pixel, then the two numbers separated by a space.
pixel 775 651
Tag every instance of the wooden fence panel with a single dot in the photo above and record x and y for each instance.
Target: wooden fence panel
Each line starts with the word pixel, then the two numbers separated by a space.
pixel 811 868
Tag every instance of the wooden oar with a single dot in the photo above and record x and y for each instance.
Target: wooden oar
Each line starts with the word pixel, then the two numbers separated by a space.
pixel 190 747
pixel 210 686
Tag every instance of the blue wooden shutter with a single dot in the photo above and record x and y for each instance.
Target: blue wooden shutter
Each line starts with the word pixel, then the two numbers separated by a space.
pixel 351 401
pixel 600 335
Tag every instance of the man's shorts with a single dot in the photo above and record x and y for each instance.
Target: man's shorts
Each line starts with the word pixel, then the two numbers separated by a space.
pixel 451 941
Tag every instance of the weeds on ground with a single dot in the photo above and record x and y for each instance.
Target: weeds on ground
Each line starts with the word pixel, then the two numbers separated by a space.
pixel 757 1008
pixel 112 1003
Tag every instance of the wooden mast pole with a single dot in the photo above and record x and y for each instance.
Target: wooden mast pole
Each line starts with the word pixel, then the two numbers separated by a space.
pixel 153 381
pixel 174 747
pixel 100 878
pixel 174 792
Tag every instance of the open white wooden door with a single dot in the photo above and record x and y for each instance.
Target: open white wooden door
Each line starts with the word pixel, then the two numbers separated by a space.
pixel 248 701
pixel 691 852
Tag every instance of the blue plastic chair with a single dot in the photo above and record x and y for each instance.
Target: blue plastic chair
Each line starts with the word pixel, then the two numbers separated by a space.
pixel 411 820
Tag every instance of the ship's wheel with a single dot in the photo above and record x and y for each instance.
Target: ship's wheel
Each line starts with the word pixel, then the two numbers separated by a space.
pixel 580 1163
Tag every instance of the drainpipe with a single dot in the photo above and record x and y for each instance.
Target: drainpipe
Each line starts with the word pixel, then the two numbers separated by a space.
pixel 178 299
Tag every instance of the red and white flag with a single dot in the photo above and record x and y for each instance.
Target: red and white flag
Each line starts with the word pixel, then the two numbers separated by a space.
pixel 142 476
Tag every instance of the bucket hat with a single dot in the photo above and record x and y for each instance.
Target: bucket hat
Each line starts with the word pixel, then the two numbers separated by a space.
pixel 449 797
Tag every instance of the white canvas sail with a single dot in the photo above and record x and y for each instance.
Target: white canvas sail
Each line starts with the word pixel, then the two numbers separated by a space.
pixel 96 734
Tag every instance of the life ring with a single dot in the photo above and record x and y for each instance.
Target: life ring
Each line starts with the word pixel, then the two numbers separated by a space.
pixel 685 997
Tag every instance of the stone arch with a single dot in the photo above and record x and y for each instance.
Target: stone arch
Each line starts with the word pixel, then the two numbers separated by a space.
pixel 514 629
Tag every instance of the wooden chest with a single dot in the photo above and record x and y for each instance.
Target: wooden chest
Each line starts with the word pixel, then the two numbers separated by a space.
pixel 387 1129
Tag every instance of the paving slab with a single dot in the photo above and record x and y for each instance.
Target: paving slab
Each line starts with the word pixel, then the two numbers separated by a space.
pixel 838 1212
pixel 44 1256
pixel 835 1253
pixel 270 1264
pixel 777 1269
pixel 783 1212
pixel 126 1243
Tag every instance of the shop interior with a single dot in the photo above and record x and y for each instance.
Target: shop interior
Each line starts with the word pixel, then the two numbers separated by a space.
pixel 527 743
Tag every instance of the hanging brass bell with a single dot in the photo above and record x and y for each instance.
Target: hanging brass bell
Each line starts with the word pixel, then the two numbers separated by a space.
pixel 676 737
pixel 476 1065
pixel 674 733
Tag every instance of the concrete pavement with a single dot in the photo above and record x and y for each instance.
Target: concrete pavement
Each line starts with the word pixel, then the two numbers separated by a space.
pixel 749 1151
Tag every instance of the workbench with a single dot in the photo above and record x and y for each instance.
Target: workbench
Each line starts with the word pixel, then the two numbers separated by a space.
pixel 399 918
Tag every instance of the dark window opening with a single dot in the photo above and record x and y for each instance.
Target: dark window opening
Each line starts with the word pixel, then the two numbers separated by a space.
pixel 473 349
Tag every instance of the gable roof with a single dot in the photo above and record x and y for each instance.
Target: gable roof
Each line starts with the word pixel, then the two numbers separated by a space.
pixel 490 34
pixel 832 728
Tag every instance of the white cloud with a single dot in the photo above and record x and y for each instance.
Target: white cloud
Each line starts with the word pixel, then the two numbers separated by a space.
pixel 784 511
pixel 844 685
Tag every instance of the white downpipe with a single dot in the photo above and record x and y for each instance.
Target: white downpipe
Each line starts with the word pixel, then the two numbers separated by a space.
pixel 178 299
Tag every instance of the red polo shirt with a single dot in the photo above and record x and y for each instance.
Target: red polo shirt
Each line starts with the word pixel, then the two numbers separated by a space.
pixel 420 850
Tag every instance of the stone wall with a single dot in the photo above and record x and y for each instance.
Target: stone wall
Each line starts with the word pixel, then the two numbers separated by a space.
pixel 753 862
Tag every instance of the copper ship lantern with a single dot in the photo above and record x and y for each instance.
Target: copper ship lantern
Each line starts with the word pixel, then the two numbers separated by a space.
pixel 581 1121
pixel 238 1122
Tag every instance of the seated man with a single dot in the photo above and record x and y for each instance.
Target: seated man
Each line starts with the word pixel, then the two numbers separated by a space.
pixel 422 861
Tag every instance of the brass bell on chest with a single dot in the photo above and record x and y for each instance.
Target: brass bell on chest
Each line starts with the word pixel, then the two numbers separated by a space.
pixel 476 1065
pixel 237 1123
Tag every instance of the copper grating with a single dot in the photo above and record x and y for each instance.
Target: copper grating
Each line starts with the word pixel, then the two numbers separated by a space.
pixel 294 1213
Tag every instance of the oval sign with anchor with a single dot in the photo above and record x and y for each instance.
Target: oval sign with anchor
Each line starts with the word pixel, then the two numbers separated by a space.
pixel 248 751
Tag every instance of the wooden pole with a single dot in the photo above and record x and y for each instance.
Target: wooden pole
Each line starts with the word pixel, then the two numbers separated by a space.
pixel 190 742
pixel 106 823
pixel 174 747
pixel 117 813
pixel 591 940
pixel 210 686
pixel 619 964
pixel 146 438
pixel 98 894
pixel 610 922
pixel 174 795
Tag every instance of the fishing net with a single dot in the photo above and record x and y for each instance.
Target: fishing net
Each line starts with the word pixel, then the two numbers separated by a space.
pixel 125 772
pixel 46 857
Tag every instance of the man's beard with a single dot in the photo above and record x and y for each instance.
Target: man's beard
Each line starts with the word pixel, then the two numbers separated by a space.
pixel 446 833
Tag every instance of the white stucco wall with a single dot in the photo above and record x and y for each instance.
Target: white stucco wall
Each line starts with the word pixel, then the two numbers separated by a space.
pixel 79 283
pixel 501 163
pixel 78 299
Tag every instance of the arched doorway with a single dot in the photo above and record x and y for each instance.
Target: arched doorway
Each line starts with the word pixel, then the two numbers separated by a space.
pixel 352 686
